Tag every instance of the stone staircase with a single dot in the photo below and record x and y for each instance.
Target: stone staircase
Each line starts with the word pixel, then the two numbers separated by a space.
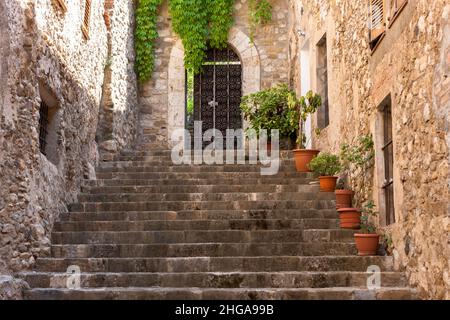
pixel 147 229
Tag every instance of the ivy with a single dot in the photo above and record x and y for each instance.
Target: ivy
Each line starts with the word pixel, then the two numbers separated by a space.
pixel 199 23
pixel 190 20
pixel 145 35
pixel 260 13
pixel 221 22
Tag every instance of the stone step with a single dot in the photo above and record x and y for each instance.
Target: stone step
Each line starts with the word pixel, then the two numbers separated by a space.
pixel 214 280
pixel 170 168
pixel 235 196
pixel 185 236
pixel 201 205
pixel 284 154
pixel 218 264
pixel 271 188
pixel 212 181
pixel 158 293
pixel 201 175
pixel 202 236
pixel 167 162
pixel 184 225
pixel 201 215
pixel 202 249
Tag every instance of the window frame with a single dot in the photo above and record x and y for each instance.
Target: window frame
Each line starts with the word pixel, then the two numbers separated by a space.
pixel 393 16
pixel 86 19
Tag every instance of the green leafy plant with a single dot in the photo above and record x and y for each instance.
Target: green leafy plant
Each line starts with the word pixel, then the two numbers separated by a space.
pixel 199 23
pixel 145 35
pixel 309 104
pixel 259 13
pixel 190 20
pixel 360 154
pixel 274 108
pixel 368 212
pixel 325 164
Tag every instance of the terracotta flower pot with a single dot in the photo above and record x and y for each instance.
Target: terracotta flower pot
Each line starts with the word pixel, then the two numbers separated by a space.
pixel 303 157
pixel 350 218
pixel 328 184
pixel 344 198
pixel 367 244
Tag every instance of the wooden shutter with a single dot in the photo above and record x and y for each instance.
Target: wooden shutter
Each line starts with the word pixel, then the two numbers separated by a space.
pixel 61 4
pixel 395 6
pixel 87 16
pixel 377 18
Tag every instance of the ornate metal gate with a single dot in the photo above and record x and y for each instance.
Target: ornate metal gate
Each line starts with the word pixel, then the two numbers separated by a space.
pixel 218 91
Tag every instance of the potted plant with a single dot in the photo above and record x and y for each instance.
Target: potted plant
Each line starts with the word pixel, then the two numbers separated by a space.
pixel 368 239
pixel 308 105
pixel 327 166
pixel 350 218
pixel 344 197
pixel 274 108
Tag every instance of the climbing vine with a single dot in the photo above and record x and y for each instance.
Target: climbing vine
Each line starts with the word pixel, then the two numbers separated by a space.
pixel 259 13
pixel 145 36
pixel 199 23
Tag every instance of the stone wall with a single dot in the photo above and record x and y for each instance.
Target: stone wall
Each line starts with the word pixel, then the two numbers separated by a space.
pixel 410 64
pixel 271 44
pixel 48 58
pixel 119 112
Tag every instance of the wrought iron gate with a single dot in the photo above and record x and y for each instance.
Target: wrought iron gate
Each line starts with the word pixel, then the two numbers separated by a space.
pixel 218 91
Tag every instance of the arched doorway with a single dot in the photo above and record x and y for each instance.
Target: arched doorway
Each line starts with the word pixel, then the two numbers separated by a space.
pixel 214 95
pixel 248 55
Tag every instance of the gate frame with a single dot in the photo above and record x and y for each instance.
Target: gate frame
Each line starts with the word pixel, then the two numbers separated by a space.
pixel 251 77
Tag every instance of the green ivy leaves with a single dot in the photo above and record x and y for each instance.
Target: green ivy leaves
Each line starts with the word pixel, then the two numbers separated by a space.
pixel 199 23
pixel 145 35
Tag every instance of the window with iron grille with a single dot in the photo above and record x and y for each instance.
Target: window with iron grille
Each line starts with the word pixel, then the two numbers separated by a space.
pixel 388 155
pixel 86 19
pixel 323 114
pixel 43 127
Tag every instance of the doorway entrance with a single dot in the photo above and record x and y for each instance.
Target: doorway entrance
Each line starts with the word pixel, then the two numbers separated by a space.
pixel 214 95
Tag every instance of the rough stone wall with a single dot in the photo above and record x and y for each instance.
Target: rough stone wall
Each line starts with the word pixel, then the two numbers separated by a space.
pixel 47 50
pixel 119 113
pixel 271 42
pixel 411 64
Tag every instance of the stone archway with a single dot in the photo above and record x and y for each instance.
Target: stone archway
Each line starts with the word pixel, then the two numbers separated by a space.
pixel 251 76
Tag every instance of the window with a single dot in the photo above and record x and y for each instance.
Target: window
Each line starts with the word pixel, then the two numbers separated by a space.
pixel 387 150
pixel 61 4
pixel 323 117
pixel 395 7
pixel 43 127
pixel 48 125
pixel 87 16
pixel 377 22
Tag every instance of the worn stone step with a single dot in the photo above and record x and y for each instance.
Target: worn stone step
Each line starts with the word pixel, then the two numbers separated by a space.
pixel 181 225
pixel 185 236
pixel 201 189
pixel 202 215
pixel 215 280
pixel 166 162
pixel 202 249
pixel 218 264
pixel 211 180
pixel 158 293
pixel 201 205
pixel 327 235
pixel 210 196
pixel 171 168
pixel 201 175
pixel 168 152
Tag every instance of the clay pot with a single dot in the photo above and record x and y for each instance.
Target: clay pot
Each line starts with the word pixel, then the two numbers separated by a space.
pixel 328 184
pixel 367 244
pixel 350 218
pixel 303 157
pixel 344 198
